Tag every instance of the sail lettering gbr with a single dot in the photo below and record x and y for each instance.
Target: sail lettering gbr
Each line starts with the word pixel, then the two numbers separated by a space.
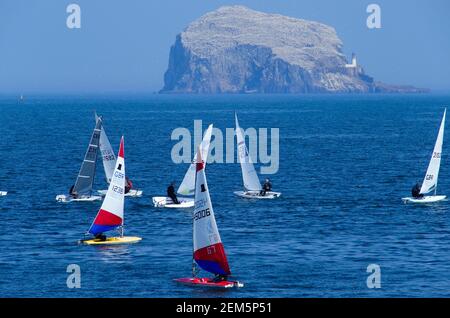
pixel 118 175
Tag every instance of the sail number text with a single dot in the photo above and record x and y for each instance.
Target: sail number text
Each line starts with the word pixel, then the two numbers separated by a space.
pixel 436 155
pixel 202 214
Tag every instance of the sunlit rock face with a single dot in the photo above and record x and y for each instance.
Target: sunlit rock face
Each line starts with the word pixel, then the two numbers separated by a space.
pixel 238 50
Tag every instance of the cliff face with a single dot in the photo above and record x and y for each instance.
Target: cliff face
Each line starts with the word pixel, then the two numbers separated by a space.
pixel 238 50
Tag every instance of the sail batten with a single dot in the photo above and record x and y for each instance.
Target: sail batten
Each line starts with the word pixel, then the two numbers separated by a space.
pixel 209 252
pixel 431 177
pixel 85 178
pixel 187 186
pixel 249 175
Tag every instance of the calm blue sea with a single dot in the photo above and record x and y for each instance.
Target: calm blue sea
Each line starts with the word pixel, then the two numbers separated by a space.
pixel 345 162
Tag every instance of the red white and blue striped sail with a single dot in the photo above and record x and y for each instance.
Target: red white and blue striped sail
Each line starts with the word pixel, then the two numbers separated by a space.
pixel 110 215
pixel 209 253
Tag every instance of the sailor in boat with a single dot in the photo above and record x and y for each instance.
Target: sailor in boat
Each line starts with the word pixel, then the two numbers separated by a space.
pixel 101 237
pixel 267 187
pixel 172 194
pixel 220 278
pixel 128 185
pixel 73 193
pixel 415 191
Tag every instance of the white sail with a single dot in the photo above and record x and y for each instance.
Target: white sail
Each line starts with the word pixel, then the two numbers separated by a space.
pixel 187 186
pixel 431 178
pixel 110 216
pixel 108 156
pixel 209 253
pixel 251 180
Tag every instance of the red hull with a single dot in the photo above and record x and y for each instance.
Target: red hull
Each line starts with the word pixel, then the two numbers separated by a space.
pixel 207 282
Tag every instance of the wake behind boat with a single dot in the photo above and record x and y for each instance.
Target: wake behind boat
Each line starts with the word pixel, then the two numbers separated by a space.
pixel 253 188
pixel 111 214
pixel 209 253
pixel 420 193
pixel 109 163
pixel 187 187
pixel 81 191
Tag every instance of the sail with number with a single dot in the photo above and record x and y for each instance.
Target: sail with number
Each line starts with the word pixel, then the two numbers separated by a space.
pixel 107 153
pixel 431 178
pixel 85 178
pixel 209 252
pixel 110 215
pixel 249 176
pixel 187 186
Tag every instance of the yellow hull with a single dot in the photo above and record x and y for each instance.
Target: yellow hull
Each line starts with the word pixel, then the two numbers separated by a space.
pixel 113 240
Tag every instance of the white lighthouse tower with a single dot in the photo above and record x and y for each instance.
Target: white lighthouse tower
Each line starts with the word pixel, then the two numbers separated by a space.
pixel 354 64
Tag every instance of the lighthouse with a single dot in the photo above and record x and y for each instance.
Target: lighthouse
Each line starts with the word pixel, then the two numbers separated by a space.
pixel 354 62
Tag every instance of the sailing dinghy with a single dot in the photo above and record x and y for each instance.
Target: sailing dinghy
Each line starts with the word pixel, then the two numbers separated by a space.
pixel 187 187
pixel 109 162
pixel 209 253
pixel 110 216
pixel 253 189
pixel 82 189
pixel 431 177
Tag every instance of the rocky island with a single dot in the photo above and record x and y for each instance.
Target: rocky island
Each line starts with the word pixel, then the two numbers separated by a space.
pixel 238 50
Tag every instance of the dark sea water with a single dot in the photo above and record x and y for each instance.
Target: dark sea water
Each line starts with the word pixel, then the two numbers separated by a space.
pixel 345 163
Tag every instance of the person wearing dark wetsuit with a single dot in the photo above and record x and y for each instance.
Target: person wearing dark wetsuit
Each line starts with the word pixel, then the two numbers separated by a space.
pixel 101 237
pixel 172 194
pixel 415 191
pixel 267 187
pixel 128 185
pixel 220 278
pixel 73 193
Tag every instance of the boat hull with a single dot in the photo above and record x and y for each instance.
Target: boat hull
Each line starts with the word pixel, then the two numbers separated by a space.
pixel 67 198
pixel 425 199
pixel 3 193
pixel 113 241
pixel 208 282
pixel 133 193
pixel 256 195
pixel 166 202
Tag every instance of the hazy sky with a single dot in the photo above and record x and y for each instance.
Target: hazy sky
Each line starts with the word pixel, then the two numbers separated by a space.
pixel 123 46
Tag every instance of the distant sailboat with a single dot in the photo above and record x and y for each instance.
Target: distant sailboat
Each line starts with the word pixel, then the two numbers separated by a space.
pixel 109 162
pixel 209 253
pixel 82 189
pixel 187 187
pixel 253 189
pixel 431 177
pixel 111 214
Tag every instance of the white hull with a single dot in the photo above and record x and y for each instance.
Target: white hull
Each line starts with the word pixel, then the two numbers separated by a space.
pixel 166 202
pixel 3 193
pixel 256 195
pixel 67 198
pixel 133 193
pixel 425 199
